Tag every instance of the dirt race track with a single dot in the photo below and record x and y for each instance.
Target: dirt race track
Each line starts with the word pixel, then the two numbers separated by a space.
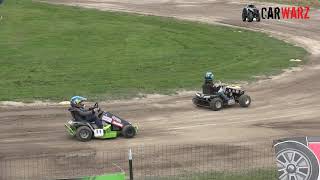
pixel 284 105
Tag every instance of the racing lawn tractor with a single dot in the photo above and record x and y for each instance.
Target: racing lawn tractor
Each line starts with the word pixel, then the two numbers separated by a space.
pixel 113 127
pixel 250 12
pixel 216 102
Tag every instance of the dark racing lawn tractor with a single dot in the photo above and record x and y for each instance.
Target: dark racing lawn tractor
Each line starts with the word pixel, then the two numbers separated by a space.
pixel 216 102
pixel 113 126
pixel 250 12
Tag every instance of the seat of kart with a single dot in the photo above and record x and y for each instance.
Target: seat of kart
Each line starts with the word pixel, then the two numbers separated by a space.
pixel 93 124
pixel 72 114
pixel 74 119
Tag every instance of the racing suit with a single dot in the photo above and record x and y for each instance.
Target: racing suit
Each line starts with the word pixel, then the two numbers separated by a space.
pixel 82 114
pixel 210 88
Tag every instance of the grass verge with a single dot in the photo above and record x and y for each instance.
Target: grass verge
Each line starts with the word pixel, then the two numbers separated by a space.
pixel 249 175
pixel 53 52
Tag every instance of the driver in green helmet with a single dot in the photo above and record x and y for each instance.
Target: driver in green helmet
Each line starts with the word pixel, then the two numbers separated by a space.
pixel 80 113
pixel 210 88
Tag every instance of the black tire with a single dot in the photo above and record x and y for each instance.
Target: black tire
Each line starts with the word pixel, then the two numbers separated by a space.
pixel 244 15
pixel 290 155
pixel 195 101
pixel 258 18
pixel 84 133
pixel 216 104
pixel 128 131
pixel 244 100
pixel 250 16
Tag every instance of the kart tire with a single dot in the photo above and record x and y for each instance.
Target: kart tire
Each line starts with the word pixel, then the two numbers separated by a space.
pixel 291 155
pixel 216 104
pixel 250 16
pixel 244 100
pixel 84 133
pixel 128 131
pixel 244 15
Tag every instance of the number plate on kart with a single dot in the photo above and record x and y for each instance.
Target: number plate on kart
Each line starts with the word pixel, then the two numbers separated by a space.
pixel 70 122
pixel 98 132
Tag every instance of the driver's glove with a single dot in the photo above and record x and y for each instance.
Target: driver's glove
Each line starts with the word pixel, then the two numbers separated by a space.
pixel 95 110
pixel 221 90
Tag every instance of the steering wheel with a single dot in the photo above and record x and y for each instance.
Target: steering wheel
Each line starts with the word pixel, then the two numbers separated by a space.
pixel 96 105
pixel 218 83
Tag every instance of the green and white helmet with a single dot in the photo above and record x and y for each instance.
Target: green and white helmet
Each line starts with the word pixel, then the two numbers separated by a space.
pixel 209 76
pixel 77 100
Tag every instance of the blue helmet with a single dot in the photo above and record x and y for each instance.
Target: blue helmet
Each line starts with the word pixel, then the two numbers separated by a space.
pixel 76 100
pixel 209 76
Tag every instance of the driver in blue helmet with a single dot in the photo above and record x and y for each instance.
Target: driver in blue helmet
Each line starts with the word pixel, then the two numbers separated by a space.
pixel 210 88
pixel 80 113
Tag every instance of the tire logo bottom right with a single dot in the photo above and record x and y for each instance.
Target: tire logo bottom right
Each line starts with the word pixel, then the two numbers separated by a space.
pixel 298 158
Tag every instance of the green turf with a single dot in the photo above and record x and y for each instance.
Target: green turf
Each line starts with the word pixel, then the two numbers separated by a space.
pixel 257 174
pixel 54 52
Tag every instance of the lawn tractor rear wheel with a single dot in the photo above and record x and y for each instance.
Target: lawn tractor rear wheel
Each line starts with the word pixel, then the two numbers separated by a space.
pixel 258 18
pixel 244 15
pixel 195 101
pixel 216 104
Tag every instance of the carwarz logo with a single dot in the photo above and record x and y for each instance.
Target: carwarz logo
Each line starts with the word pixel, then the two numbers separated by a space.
pixel 251 12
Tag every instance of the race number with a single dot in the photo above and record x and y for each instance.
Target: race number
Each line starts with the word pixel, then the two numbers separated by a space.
pixel 98 132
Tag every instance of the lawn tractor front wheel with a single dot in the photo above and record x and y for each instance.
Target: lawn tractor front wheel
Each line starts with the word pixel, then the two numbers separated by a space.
pixel 216 104
pixel 244 100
